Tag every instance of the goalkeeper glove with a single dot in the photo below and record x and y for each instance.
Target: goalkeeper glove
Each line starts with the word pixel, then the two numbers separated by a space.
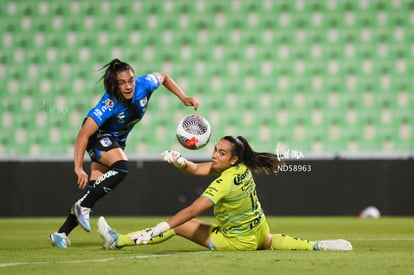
pixel 143 237
pixel 175 158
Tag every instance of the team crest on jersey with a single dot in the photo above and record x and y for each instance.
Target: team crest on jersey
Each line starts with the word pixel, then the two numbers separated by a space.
pixel 105 142
pixel 109 103
pixel 143 102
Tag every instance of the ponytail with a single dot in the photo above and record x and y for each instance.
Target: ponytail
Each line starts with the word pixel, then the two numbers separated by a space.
pixel 258 162
pixel 110 77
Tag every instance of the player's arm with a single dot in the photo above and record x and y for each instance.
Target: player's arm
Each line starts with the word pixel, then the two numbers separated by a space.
pixel 195 209
pixel 189 167
pixel 199 169
pixel 200 205
pixel 170 84
pixel 88 128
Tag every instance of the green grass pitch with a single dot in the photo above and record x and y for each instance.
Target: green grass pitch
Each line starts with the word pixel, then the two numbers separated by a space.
pixel 381 246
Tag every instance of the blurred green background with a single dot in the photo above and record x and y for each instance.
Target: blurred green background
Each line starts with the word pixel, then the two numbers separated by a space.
pixel 321 77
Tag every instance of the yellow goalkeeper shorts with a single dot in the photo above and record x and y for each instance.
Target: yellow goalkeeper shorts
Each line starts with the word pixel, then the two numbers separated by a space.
pixel 252 240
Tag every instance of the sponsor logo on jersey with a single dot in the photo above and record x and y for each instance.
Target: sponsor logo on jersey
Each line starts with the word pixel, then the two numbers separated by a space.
pixel 106 142
pixel 121 117
pixel 239 178
pixel 98 113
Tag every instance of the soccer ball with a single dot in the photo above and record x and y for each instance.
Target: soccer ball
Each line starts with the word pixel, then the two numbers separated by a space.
pixel 193 132
pixel 370 212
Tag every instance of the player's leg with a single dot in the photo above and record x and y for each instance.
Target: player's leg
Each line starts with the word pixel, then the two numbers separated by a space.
pixel 114 240
pixel 285 242
pixel 109 167
pixel 193 230
pixel 60 238
pixel 196 231
pixel 125 239
pixel 105 175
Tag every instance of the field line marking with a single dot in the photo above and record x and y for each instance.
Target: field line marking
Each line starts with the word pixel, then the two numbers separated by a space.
pixel 103 260
pixel 160 255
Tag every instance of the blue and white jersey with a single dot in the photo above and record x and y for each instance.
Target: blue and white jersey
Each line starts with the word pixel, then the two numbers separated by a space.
pixel 118 118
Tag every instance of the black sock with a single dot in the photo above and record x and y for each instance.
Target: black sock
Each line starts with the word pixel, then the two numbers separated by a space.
pixel 105 183
pixel 70 223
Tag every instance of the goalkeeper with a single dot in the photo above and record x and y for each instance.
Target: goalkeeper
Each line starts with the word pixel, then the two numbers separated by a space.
pixel 241 222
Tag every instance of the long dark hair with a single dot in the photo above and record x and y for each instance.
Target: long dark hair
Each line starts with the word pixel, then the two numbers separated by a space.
pixel 110 80
pixel 258 162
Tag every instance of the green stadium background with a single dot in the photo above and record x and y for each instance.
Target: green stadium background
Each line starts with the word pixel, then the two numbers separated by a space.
pixel 323 77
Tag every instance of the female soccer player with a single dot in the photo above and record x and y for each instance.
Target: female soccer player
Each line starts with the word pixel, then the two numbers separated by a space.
pixel 241 221
pixel 104 133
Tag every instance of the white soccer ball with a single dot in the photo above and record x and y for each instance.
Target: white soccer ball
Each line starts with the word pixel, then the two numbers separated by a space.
pixel 370 212
pixel 193 132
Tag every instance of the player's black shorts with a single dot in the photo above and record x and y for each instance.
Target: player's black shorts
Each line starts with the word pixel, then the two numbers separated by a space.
pixel 102 142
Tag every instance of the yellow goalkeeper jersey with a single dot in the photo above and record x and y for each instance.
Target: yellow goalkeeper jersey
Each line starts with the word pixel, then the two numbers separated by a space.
pixel 236 206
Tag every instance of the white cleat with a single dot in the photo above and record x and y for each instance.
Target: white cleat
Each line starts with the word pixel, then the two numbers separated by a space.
pixel 333 245
pixel 59 240
pixel 108 235
pixel 82 215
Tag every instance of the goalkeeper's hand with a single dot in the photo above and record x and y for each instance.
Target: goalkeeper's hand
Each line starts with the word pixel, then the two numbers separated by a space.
pixel 143 237
pixel 175 158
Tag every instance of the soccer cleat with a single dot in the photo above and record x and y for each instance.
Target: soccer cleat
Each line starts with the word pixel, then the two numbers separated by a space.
pixel 108 235
pixel 333 245
pixel 82 215
pixel 59 240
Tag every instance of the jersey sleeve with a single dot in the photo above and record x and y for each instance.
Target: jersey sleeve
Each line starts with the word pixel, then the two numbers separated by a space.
pixel 102 111
pixel 152 81
pixel 217 189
